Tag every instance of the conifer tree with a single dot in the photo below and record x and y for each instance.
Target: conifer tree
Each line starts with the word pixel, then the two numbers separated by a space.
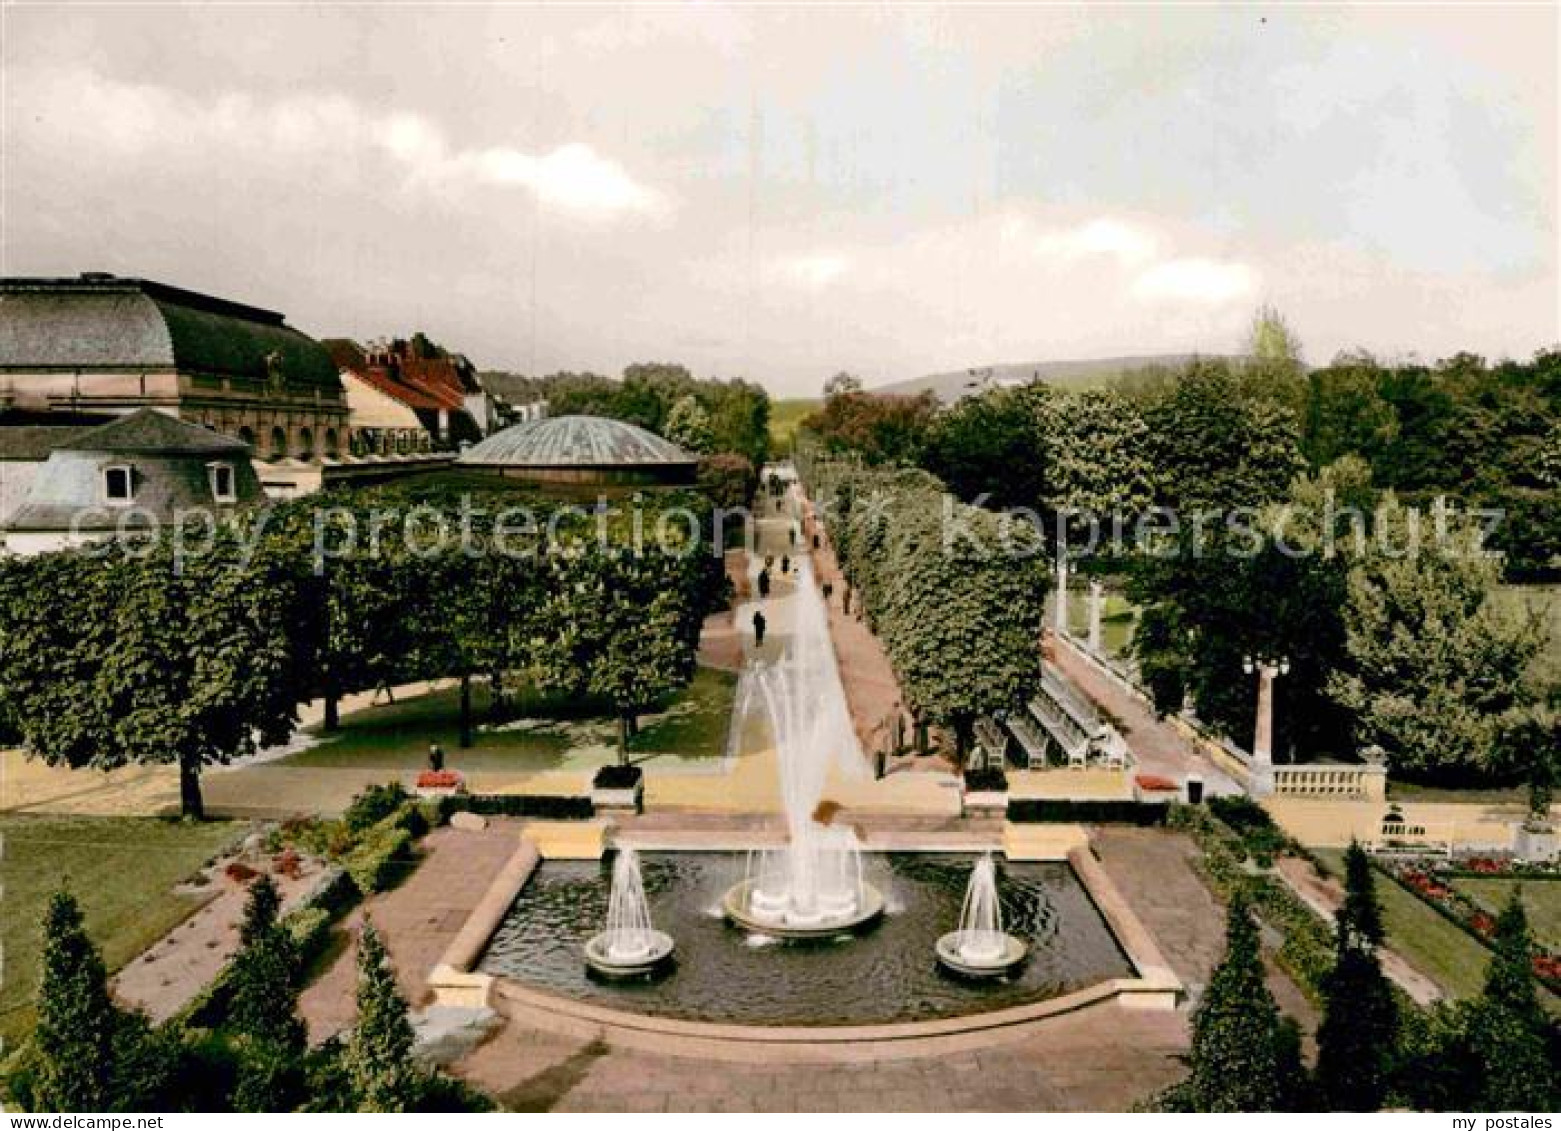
pixel 378 1057
pixel 263 1013
pixel 1359 1030
pixel 1237 1043
pixel 1508 1029
pixel 74 1036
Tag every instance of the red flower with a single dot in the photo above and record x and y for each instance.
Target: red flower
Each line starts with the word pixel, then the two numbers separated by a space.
pixel 438 779
pixel 1482 923
pixel 1155 782
pixel 239 872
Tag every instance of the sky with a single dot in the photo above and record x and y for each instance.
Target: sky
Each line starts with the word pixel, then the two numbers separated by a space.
pixel 782 192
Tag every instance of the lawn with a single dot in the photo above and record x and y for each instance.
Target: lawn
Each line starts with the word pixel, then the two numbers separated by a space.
pixel 540 733
pixel 121 869
pixel 1430 943
pixel 1541 899
pixel 785 416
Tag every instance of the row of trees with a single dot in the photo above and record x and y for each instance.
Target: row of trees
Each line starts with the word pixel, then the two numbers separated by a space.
pixel 88 1054
pixel 705 416
pixel 953 592
pixel 1374 1049
pixel 146 654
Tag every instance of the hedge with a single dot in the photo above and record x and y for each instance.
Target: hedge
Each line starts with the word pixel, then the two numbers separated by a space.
pixel 521 805
pixel 372 864
pixel 1039 810
pixel 1307 952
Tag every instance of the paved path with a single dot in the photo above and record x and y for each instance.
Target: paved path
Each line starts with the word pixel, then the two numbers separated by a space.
pixel 1156 746
pixel 1156 872
pixel 418 920
pixel 1104 1059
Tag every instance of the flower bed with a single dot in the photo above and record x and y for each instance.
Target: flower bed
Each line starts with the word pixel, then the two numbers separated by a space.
pixel 1430 881
pixel 439 783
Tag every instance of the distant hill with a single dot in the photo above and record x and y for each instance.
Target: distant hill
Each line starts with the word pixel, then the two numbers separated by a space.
pixel 1079 374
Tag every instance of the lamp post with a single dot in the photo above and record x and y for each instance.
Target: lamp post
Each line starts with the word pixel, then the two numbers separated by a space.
pixel 1097 595
pixel 1060 613
pixel 1263 739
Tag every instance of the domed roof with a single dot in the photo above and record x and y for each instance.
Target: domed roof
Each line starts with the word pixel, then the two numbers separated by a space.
pixel 574 441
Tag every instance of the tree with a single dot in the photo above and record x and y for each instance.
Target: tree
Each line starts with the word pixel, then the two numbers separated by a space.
pixel 1359 1030
pixel 134 655
pixel 1439 711
pixel 842 382
pixel 688 426
pixel 1273 366
pixel 1508 1031
pixel 992 445
pixel 1098 454
pixel 74 1034
pixel 879 429
pixel 1215 447
pixel 263 1009
pixel 378 1056
pixel 1237 1039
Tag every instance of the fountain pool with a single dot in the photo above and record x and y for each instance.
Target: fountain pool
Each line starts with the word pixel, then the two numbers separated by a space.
pixel 728 974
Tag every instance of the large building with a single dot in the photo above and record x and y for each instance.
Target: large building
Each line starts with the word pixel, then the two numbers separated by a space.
pixel 408 395
pixel 582 449
pixel 104 344
pixel 63 485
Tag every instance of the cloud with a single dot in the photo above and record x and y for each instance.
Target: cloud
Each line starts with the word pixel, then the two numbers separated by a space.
pixel 92 113
pixel 1126 243
pixel 1205 281
pixel 815 271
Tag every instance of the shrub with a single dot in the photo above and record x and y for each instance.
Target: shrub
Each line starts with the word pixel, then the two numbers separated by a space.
pixel 372 864
pixel 617 777
pixel 991 779
pixel 373 805
pixel 309 927
pixel 1040 810
pixel 545 806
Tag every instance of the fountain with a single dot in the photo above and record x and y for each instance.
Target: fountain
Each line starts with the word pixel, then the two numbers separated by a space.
pixel 812 886
pixel 980 948
pixel 629 945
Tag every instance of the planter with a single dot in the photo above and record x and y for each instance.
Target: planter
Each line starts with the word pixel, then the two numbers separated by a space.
pixel 1536 843
pixel 439 783
pixel 620 788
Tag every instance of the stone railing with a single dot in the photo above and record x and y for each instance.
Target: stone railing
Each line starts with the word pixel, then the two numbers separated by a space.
pixel 1363 782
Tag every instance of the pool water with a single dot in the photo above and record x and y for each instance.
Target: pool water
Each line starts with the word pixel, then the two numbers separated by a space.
pixel 886 974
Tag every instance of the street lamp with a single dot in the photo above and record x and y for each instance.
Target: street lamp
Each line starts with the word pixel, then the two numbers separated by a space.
pixel 1267 669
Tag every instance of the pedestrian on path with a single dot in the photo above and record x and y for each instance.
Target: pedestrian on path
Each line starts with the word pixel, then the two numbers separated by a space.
pixel 758 628
pixel 815 541
pixel 764 583
pixel 435 757
pixel 786 563
pixel 829 591
pixel 791 535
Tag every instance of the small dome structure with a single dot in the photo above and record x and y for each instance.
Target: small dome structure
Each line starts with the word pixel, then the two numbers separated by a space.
pixel 581 449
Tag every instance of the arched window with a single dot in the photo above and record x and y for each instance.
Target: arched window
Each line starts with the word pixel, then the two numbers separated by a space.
pixel 332 445
pixel 305 444
pixel 278 444
pixel 247 434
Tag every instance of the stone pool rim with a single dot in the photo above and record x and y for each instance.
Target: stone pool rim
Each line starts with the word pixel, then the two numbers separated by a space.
pixel 455 982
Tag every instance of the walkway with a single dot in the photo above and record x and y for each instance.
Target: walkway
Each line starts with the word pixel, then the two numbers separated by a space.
pixel 1156 746
pixel 418 920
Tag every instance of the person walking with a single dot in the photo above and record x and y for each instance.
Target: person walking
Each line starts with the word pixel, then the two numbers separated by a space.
pixel 435 757
pixel 764 583
pixel 759 624
pixel 786 563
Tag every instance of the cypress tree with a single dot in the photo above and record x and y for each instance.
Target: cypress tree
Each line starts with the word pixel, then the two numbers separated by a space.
pixel 1359 1030
pixel 263 1012
pixel 378 1057
pixel 1237 1042
pixel 1508 1029
pixel 74 1036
